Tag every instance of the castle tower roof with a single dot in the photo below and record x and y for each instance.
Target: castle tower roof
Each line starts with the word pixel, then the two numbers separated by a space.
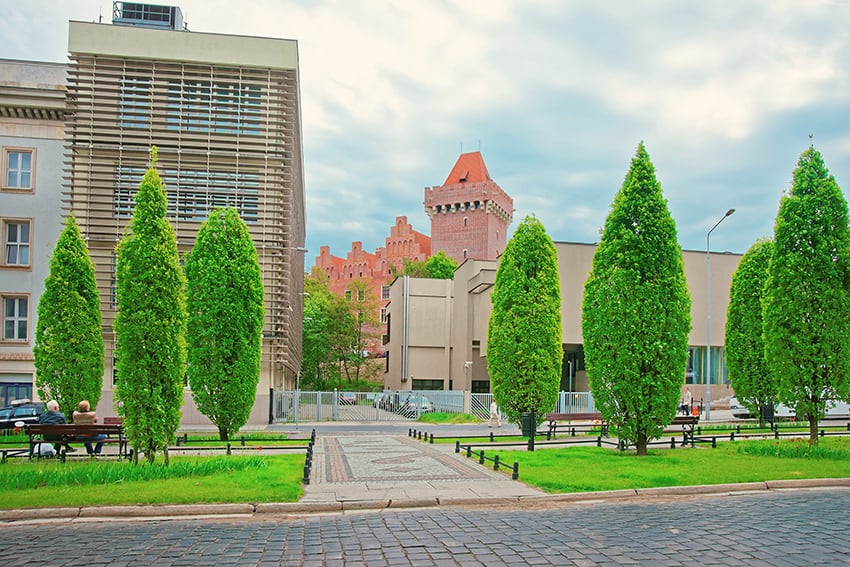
pixel 469 168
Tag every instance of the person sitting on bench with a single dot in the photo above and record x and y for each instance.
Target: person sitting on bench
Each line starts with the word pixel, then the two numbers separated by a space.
pixel 85 417
pixel 55 417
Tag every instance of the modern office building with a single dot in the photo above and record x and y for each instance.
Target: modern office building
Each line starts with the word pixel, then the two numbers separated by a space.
pixel 438 328
pixel 224 113
pixel 32 113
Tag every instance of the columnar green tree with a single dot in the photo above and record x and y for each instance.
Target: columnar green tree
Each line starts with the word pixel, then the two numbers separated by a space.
pixel 636 311
pixel 150 325
pixel 524 342
pixel 224 298
pixel 68 343
pixel 807 297
pixel 749 375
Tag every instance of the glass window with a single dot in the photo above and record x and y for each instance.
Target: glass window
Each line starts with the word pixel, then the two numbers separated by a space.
pixel 385 292
pixel 18 174
pixel 16 243
pixel 15 317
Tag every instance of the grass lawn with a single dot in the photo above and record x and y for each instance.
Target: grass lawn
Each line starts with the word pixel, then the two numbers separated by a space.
pixel 585 469
pixel 49 483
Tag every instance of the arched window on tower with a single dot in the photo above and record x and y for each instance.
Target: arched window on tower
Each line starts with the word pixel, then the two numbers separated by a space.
pixel 465 221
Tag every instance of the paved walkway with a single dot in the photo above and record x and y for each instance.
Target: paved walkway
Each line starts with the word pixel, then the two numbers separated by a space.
pixel 382 471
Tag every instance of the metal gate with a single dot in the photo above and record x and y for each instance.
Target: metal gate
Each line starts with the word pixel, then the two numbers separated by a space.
pixel 290 406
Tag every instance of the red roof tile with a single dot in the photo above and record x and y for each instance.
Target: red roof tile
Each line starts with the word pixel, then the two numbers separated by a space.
pixel 469 168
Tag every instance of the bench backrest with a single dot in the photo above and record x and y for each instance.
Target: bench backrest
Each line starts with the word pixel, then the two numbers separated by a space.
pixel 112 420
pixel 685 420
pixel 71 429
pixel 572 416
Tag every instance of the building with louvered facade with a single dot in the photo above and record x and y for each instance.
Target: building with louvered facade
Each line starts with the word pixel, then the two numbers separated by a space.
pixel 224 113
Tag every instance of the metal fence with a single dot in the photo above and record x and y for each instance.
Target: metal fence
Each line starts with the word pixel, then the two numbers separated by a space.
pixel 290 406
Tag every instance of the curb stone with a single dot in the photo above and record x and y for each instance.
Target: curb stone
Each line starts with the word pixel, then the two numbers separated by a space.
pixel 169 511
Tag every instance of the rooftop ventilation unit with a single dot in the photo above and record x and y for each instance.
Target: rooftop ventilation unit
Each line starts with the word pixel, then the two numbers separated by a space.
pixel 147 15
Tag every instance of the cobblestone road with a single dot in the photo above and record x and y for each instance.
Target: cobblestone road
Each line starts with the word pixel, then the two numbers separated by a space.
pixel 781 528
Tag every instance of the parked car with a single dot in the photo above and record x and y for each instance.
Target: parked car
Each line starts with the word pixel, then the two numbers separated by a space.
pixel 388 401
pixel 837 409
pixel 348 398
pixel 23 411
pixel 414 404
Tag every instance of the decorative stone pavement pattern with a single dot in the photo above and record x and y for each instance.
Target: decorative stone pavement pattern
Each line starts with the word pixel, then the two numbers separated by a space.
pixel 773 528
pixel 386 458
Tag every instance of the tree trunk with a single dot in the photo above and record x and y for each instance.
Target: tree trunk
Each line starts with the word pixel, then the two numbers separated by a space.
pixel 813 430
pixel 222 434
pixel 641 444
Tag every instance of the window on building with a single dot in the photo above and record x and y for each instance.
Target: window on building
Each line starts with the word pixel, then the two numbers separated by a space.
pixel 385 292
pixel 465 221
pixel 15 318
pixel 192 193
pixel 465 253
pixel 361 295
pixel 16 242
pixel 134 103
pixel 348 294
pixel 17 168
pixel 383 315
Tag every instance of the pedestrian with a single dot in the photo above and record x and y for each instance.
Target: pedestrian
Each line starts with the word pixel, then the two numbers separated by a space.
pixel 687 400
pixel 84 416
pixel 494 415
pixel 55 417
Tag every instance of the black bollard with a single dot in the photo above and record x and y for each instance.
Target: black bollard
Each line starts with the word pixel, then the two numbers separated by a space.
pixel 515 474
pixel 496 463
pixel 243 440
pixel 457 446
pixel 228 449
pixel 481 457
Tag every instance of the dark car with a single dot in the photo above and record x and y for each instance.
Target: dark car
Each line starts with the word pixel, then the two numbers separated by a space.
pixel 23 411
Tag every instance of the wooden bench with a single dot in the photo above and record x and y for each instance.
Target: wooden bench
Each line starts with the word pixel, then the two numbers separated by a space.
pixel 65 434
pixel 687 423
pixel 565 421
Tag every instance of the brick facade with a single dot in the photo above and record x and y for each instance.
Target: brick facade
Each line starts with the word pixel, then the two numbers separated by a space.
pixel 469 213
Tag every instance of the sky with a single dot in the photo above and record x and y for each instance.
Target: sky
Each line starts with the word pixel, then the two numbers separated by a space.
pixel 556 95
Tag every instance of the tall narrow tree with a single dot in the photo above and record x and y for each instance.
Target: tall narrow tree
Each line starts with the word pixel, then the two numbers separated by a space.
pixel 636 311
pixel 150 325
pixel 807 298
pixel 68 343
pixel 524 342
pixel 224 297
pixel 749 375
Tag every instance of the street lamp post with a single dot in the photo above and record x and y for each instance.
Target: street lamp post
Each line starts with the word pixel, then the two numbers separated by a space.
pixel 708 317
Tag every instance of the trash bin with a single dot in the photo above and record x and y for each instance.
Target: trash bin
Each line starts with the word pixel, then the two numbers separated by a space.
pixel 767 412
pixel 528 423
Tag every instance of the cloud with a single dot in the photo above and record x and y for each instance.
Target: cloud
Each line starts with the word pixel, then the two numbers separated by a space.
pixel 556 94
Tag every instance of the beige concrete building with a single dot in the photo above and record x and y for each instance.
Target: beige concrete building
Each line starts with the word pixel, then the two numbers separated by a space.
pixel 438 328
pixel 224 112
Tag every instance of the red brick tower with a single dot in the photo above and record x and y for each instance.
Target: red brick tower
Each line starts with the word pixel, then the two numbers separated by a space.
pixel 469 213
